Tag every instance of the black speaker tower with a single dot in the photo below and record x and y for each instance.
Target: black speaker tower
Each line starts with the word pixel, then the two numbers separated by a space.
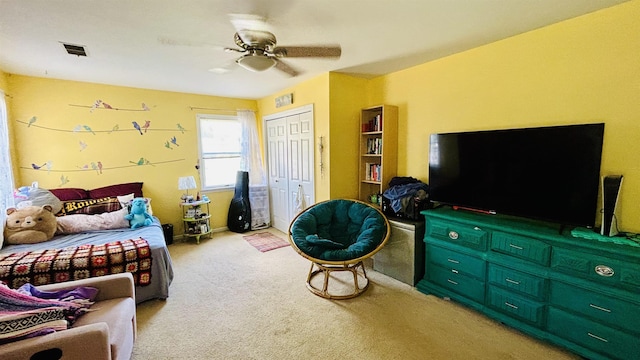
pixel 610 193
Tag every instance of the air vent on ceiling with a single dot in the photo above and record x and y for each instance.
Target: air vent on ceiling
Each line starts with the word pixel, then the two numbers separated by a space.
pixel 75 49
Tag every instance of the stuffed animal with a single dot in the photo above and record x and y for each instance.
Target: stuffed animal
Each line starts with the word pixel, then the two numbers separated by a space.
pixel 29 225
pixel 138 215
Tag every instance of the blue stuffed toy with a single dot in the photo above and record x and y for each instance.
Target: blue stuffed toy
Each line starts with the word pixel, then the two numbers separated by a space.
pixel 138 215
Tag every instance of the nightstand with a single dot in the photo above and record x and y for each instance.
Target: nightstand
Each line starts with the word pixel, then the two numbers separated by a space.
pixel 196 219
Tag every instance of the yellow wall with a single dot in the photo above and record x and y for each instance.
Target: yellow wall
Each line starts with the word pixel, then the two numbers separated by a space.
pixel 62 109
pixel 578 71
pixel 3 82
pixel 347 97
pixel 582 70
pixel 337 100
pixel 314 91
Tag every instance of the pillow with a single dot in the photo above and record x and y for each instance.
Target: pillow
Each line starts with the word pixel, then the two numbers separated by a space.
pixel 40 197
pixel 125 202
pixel 90 206
pixel 76 223
pixel 65 194
pixel 117 190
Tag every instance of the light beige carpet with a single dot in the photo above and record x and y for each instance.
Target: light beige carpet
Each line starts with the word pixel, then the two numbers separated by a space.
pixel 229 301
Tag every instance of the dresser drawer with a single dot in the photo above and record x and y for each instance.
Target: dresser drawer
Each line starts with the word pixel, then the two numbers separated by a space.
pixel 456 233
pixel 467 286
pixel 518 281
pixel 516 306
pixel 521 247
pixel 614 312
pixel 597 268
pixel 456 262
pixel 592 335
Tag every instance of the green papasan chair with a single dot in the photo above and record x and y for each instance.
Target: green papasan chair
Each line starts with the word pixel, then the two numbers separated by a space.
pixel 337 235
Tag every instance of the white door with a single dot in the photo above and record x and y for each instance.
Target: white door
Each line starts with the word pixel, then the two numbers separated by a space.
pixel 290 148
pixel 300 142
pixel 278 186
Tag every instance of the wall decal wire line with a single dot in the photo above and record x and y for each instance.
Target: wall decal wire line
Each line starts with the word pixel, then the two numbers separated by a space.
pixel 103 169
pixel 95 131
pixel 109 108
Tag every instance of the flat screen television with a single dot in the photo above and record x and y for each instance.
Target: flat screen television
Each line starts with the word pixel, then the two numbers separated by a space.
pixel 546 173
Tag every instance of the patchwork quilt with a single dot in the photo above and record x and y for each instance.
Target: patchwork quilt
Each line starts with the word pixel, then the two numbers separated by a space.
pixel 80 262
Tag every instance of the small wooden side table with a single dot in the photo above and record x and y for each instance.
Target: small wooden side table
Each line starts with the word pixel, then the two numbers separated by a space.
pixel 196 219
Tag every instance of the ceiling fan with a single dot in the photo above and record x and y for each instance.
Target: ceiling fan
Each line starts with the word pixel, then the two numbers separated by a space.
pixel 260 53
pixel 258 47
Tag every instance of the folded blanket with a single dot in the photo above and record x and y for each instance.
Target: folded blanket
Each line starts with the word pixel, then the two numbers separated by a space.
pixel 28 312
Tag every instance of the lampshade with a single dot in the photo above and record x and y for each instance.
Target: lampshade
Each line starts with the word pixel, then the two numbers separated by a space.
pixel 186 183
pixel 256 62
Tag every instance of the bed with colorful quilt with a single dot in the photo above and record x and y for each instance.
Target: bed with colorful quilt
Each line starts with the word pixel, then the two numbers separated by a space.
pixel 98 242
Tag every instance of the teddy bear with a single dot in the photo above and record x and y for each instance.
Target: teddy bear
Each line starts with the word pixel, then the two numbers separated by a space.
pixel 29 224
pixel 138 215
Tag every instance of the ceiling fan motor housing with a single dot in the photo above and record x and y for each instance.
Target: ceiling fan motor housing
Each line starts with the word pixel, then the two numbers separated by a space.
pixel 255 39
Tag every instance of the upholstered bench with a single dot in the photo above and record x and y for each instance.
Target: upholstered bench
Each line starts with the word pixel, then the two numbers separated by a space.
pixel 107 331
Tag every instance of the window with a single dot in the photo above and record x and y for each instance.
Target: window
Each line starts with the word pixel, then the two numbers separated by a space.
pixel 220 149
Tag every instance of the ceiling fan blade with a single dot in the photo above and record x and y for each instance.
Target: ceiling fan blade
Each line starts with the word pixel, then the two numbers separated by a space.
pixel 282 66
pixel 225 68
pixel 331 51
pixel 249 22
pixel 181 42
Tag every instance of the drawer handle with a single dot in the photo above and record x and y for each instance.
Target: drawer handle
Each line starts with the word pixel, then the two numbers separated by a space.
pixel 511 305
pixel 453 282
pixel 453 261
pixel 454 271
pixel 600 308
pixel 597 337
pixel 453 235
pixel 516 247
pixel 604 270
pixel 512 281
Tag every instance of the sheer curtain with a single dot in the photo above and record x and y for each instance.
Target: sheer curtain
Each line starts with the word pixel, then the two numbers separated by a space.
pixel 6 172
pixel 251 161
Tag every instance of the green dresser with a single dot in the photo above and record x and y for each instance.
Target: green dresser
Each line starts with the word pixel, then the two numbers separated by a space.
pixel 580 294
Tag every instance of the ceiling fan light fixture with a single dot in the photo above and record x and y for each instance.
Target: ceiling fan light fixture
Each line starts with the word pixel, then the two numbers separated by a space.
pixel 256 62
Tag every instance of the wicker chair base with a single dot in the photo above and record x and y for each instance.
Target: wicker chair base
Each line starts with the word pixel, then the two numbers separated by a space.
pixel 322 269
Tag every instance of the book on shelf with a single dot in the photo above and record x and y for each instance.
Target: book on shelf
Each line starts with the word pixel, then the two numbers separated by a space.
pixel 373 124
pixel 374 146
pixel 372 172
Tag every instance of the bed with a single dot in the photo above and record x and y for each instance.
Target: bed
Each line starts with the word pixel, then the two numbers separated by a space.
pixel 158 275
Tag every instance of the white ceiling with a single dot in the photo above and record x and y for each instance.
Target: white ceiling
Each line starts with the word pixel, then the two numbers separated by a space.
pixel 127 40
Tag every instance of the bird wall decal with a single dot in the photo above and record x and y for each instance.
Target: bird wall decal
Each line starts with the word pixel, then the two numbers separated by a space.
pixel 137 127
pixel 86 127
pixel 146 125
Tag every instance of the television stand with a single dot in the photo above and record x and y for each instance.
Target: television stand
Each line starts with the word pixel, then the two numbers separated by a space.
pixel 577 293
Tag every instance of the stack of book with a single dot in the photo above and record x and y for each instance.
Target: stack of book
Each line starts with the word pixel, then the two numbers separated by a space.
pixel 375 124
pixel 372 171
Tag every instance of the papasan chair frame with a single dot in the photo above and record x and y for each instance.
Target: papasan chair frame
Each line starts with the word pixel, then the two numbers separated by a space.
pixel 324 267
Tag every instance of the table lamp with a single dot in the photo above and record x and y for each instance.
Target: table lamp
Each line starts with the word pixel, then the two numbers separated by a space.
pixel 187 183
